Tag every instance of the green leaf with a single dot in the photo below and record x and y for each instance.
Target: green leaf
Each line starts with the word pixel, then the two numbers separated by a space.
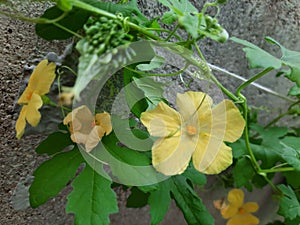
pixel 129 136
pixel 294 91
pixel 153 90
pixel 290 155
pixel 159 202
pixel 291 59
pixel 269 151
pixel 169 17
pixel 127 166
pixel 53 175
pixel 190 204
pixel 155 63
pixel 243 172
pixel 54 143
pixel 186 14
pixel 92 199
pixel 290 178
pixel 137 198
pixel 73 21
pixel 258 58
pixel 194 176
pixel 289 206
pixel 295 221
pixel 134 95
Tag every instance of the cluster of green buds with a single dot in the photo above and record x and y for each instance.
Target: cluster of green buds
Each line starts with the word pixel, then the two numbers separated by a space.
pixel 210 27
pixel 103 34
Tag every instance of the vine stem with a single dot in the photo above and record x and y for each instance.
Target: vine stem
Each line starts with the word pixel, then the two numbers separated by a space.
pixel 277 170
pixel 252 79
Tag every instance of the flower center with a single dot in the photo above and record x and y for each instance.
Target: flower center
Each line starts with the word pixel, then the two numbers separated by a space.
pixel 191 130
pixel 93 124
pixel 28 97
pixel 242 210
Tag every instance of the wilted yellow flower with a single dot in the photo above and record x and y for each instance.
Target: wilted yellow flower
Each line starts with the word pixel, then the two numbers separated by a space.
pixel 88 129
pixel 65 98
pixel 236 210
pixel 197 131
pixel 39 84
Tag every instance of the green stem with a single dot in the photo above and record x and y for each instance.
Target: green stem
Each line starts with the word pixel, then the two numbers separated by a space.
pixel 67 30
pixel 33 20
pixel 172 33
pixel 277 170
pixel 254 78
pixel 166 31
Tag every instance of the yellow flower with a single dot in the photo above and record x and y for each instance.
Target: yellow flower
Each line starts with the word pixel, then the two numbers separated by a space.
pixel 197 131
pixel 87 129
pixel 39 84
pixel 236 210
pixel 65 98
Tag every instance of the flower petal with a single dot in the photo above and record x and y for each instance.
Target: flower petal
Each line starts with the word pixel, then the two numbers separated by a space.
pixel 104 121
pixel 82 120
pixel 33 115
pixel 228 211
pixel 228 123
pixel 194 103
pixel 244 219
pixel 21 123
pixel 172 155
pixel 236 198
pixel 162 121
pixel 211 155
pixel 26 96
pixel 251 207
pixel 92 139
pixel 42 77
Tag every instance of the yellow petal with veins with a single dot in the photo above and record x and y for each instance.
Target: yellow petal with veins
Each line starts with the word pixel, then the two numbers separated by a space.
pixel 171 155
pixel 211 155
pixel 228 123
pixel 162 121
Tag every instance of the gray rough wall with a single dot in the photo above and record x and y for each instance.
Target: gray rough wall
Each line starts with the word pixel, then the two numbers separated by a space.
pixel 248 19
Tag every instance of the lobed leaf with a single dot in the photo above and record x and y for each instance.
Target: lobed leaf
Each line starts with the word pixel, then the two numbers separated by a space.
pixel 53 175
pixel 92 199
pixel 289 206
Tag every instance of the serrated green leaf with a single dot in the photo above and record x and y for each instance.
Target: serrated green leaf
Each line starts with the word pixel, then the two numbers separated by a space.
pixel 53 175
pixel 289 206
pixel 269 149
pixel 290 155
pixel 258 58
pixel 159 202
pixel 137 198
pixel 186 13
pixel 54 143
pixel 291 59
pixel 92 199
pixel 190 204
pixel 243 172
